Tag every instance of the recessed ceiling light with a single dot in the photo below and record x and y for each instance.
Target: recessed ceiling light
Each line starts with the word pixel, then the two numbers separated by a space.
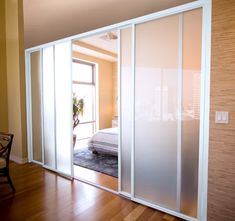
pixel 109 36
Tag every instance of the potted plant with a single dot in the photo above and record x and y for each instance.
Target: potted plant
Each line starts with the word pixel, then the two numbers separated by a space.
pixel 78 108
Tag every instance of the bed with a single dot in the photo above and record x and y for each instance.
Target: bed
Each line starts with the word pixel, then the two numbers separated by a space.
pixel 104 141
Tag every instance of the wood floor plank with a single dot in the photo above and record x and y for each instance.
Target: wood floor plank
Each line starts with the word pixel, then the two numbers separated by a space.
pixel 148 212
pixel 168 217
pixel 135 213
pixel 157 216
pixel 99 208
pixel 127 208
pixel 42 195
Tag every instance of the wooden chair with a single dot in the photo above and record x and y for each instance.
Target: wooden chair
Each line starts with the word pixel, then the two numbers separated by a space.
pixel 5 150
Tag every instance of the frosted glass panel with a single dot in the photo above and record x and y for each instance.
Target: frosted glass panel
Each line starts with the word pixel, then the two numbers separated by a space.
pixel 49 107
pixel 36 105
pixel 63 89
pixel 126 109
pixel 192 33
pixel 156 108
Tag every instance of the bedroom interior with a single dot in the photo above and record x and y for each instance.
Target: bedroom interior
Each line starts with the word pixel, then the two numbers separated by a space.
pixel 95 81
pixel 160 104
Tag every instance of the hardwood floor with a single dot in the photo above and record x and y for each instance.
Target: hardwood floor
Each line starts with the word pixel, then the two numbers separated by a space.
pixel 96 177
pixel 44 195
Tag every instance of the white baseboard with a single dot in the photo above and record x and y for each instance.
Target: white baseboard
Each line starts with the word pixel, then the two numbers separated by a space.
pixel 18 159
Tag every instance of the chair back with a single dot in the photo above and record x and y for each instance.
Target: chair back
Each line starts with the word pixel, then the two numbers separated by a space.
pixel 6 140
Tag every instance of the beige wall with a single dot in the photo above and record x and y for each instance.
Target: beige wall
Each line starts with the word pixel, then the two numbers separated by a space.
pixel 22 78
pixel 12 76
pixel 3 71
pixel 105 84
pixel 221 183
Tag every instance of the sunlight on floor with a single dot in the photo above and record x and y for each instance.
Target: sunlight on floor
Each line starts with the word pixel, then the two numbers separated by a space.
pixel 96 177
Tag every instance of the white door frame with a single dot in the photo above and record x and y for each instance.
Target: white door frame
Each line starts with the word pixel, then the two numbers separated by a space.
pixel 205 96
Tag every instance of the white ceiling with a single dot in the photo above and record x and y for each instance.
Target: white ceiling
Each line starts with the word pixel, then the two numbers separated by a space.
pixel 49 20
pixel 99 42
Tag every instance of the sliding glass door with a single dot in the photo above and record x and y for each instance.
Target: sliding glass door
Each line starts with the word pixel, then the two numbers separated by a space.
pixel 49 112
pixel 63 107
pixel 160 72
pixel 125 115
pixel 36 105
pixel 51 107
pixel 160 109
pixel 157 89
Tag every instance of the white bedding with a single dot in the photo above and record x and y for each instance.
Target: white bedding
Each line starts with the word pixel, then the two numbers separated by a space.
pixel 105 141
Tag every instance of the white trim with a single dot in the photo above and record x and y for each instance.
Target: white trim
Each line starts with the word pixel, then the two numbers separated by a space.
pixel 133 112
pixel 119 113
pixel 204 111
pixel 37 162
pixel 17 159
pixel 179 115
pixel 28 104
pixel 65 175
pixel 153 16
pixel 125 194
pixel 71 105
pixel 165 210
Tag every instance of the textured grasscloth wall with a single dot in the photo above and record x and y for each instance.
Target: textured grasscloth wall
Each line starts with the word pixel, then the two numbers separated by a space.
pixel 221 183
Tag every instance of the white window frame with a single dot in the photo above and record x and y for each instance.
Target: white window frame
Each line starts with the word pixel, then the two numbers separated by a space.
pixel 94 97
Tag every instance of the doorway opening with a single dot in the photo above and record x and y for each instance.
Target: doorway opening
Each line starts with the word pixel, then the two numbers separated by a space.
pixel 95 86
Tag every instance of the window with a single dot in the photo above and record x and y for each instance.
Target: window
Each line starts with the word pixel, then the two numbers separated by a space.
pixel 84 87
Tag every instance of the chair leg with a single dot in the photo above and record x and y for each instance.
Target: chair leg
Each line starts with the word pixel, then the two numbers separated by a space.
pixel 11 184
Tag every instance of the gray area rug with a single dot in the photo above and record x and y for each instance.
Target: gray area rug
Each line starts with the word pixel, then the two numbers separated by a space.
pixel 103 163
